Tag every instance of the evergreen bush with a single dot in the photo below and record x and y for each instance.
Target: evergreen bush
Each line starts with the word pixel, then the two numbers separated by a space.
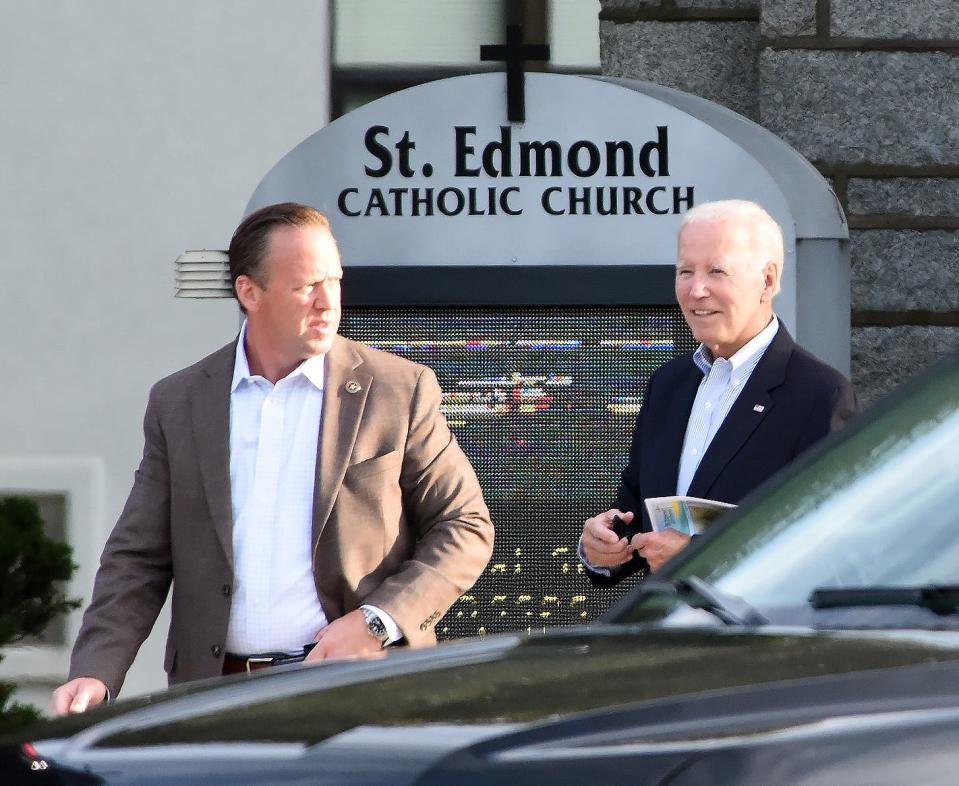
pixel 33 568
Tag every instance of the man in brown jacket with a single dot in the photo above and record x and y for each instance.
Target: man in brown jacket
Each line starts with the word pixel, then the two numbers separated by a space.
pixel 295 488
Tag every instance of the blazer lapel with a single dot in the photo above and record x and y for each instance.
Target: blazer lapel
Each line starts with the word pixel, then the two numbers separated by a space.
pixel 345 389
pixel 210 406
pixel 670 447
pixel 753 404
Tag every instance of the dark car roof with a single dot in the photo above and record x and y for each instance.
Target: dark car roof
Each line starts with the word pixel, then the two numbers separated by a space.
pixel 505 681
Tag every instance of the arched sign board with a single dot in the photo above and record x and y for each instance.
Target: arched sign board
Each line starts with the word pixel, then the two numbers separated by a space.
pixel 578 205
pixel 531 266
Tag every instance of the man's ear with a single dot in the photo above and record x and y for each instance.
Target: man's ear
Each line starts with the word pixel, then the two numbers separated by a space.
pixel 248 292
pixel 770 282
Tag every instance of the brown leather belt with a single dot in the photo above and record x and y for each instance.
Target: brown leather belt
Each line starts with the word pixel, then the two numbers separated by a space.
pixel 239 664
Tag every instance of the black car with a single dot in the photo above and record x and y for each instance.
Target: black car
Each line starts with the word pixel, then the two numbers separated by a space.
pixel 807 639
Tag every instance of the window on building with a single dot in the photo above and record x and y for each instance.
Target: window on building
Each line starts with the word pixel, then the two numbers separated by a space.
pixel 53 512
pixel 381 46
pixel 69 492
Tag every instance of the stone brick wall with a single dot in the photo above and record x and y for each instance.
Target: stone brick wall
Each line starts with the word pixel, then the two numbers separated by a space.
pixel 706 47
pixel 867 91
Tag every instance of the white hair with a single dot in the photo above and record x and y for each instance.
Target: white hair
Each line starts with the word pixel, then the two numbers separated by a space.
pixel 761 234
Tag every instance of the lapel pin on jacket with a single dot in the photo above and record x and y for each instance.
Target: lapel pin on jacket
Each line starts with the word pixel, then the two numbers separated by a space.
pixel 353 386
pixel 759 408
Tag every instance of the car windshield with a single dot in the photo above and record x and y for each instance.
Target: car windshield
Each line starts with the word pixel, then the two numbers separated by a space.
pixel 878 507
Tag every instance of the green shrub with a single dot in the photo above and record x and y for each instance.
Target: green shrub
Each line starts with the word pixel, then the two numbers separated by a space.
pixel 33 569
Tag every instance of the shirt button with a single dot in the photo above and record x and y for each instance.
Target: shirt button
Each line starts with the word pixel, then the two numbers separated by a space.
pixel 695 451
pixel 708 405
pixel 226 590
pixel 216 650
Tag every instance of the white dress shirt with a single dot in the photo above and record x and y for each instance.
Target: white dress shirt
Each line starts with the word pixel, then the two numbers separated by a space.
pixel 274 430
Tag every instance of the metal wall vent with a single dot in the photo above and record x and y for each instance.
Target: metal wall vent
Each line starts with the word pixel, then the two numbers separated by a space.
pixel 203 274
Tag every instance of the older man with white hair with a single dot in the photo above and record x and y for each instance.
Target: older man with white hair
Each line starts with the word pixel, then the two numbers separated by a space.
pixel 719 422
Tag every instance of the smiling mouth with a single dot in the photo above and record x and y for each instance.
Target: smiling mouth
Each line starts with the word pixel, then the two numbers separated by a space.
pixel 702 313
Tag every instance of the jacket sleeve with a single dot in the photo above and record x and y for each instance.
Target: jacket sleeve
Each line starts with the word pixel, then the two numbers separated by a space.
pixel 629 498
pixel 443 502
pixel 134 576
pixel 845 405
pixel 829 416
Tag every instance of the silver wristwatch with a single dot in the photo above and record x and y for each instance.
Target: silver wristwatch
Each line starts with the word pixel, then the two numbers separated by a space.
pixel 376 627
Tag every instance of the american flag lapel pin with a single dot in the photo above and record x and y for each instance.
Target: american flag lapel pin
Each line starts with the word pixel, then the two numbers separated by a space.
pixel 759 408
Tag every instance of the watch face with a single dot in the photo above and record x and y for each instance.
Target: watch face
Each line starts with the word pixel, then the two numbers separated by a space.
pixel 375 626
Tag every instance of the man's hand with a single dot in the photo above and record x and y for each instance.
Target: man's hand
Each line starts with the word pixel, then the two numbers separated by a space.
pixel 346 637
pixel 657 548
pixel 78 695
pixel 603 547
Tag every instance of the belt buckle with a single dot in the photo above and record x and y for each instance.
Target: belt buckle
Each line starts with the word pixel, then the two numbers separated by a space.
pixel 267 660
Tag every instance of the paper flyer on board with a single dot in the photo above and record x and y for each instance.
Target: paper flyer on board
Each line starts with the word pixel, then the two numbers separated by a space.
pixel 689 515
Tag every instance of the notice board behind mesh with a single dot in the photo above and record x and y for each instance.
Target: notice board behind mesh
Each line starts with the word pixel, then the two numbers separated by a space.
pixel 543 402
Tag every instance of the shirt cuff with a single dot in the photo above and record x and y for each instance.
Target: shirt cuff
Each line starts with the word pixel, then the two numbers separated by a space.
pixel 589 565
pixel 391 627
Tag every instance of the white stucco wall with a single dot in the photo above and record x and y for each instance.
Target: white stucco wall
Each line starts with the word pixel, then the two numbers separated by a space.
pixel 130 130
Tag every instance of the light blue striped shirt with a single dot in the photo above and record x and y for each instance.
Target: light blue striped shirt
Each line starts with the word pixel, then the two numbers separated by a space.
pixel 723 380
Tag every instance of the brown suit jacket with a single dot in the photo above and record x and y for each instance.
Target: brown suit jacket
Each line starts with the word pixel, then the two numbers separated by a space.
pixel 399 520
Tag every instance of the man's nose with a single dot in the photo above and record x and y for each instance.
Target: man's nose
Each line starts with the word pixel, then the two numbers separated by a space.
pixel 698 287
pixel 323 299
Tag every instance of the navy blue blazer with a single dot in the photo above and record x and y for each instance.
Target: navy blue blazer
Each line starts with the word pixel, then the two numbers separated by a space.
pixel 802 401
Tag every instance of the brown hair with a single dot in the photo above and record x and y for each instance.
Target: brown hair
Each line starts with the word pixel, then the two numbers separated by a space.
pixel 249 243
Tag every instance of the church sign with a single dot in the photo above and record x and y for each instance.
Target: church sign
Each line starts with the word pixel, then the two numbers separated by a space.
pixel 437 175
pixel 519 238
pixel 535 159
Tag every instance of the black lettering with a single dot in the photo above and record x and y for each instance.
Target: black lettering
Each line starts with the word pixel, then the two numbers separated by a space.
pixel 528 149
pixel 504 201
pixel 627 157
pixel 579 199
pixel 491 200
pixel 651 205
pixel 661 147
pixel 397 194
pixel 472 208
pixel 341 201
pixel 572 158
pixel 381 152
pixel 377 201
pixel 403 147
pixel 463 150
pixel 601 207
pixel 441 201
pixel 631 199
pixel 423 201
pixel 505 158
pixel 547 205
pixel 677 199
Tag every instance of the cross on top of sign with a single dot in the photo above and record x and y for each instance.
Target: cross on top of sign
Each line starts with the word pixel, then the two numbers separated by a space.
pixel 515 53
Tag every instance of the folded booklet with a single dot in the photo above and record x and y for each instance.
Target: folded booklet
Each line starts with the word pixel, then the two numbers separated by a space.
pixel 689 515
